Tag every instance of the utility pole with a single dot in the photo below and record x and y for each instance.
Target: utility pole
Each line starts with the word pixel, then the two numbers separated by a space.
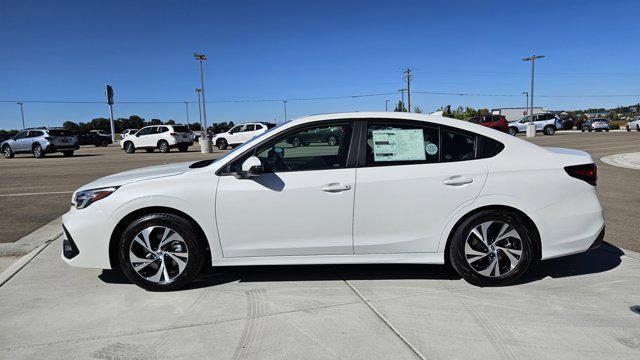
pixel 108 92
pixel 531 130
pixel 284 102
pixel 206 145
pixel 386 105
pixel 186 106
pixel 199 108
pixel 526 94
pixel 408 77
pixel 22 113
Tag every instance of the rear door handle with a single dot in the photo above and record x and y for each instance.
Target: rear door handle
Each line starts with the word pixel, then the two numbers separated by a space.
pixel 335 187
pixel 457 180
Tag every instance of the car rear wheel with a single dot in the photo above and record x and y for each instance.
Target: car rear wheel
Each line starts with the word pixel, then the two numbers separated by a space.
pixel 161 252
pixel 129 148
pixel 7 152
pixel 491 248
pixel 183 148
pixel 38 152
pixel 549 130
pixel 163 146
pixel 68 153
pixel 628 128
pixel 222 144
pixel 104 143
pixel 638 127
pixel 513 131
pixel 296 141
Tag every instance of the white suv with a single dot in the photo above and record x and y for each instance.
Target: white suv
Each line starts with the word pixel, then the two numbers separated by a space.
pixel 634 124
pixel 240 134
pixel 548 123
pixel 161 137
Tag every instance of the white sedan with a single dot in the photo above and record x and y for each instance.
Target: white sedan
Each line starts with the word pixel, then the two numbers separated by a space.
pixel 397 188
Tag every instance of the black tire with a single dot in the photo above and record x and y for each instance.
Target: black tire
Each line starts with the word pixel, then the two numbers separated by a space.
pixel 637 127
pixel 68 153
pixel 582 129
pixel 607 130
pixel 184 228
pixel 37 150
pixel 628 128
pixel 295 142
pixel 332 140
pixel 183 148
pixel 163 146
pixel 104 143
pixel 222 144
pixel 549 130
pixel 513 131
pixel 149 150
pixel 129 148
pixel 590 130
pixel 7 152
pixel 460 261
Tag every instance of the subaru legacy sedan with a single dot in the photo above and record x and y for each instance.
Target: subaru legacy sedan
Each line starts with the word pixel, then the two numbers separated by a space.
pixel 396 188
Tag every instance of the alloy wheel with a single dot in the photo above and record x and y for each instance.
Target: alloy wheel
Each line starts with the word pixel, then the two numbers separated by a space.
pixel 493 248
pixel 158 254
pixel 332 141
pixel 7 151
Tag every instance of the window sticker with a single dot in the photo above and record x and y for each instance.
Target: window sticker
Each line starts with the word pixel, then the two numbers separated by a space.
pixel 431 149
pixel 398 145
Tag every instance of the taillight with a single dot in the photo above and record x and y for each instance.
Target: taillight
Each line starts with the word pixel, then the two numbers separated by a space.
pixel 587 172
pixel 173 134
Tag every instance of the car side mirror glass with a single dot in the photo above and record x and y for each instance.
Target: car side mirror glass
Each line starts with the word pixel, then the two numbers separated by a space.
pixel 251 167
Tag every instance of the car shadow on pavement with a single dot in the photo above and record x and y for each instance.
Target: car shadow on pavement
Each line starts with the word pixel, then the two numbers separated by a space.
pixel 605 258
pixel 54 156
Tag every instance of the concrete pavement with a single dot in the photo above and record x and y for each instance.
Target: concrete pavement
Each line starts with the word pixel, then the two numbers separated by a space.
pixel 626 160
pixel 572 308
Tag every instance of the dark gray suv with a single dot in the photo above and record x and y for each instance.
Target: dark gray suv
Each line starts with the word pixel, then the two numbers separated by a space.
pixel 39 142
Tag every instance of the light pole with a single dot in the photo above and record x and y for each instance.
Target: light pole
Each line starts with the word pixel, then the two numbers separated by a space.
pixel 531 129
pixel 284 102
pixel 206 145
pixel 386 105
pixel 199 108
pixel 186 106
pixel 402 91
pixel 22 113
pixel 526 94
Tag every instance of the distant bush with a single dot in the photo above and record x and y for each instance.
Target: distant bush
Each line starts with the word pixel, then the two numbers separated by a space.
pixel 578 124
pixel 567 124
pixel 617 124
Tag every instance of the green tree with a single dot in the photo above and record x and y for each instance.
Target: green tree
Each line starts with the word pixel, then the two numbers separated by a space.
pixel 400 107
pixel 155 122
pixel 70 125
pixel 170 122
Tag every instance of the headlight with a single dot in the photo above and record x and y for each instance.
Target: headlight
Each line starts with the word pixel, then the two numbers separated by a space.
pixel 84 198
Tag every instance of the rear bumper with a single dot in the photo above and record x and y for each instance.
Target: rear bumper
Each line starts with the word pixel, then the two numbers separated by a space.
pixel 53 148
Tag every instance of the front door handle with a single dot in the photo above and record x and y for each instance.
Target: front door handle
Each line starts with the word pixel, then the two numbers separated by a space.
pixel 335 187
pixel 457 180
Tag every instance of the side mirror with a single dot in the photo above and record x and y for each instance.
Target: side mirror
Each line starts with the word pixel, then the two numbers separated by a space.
pixel 252 167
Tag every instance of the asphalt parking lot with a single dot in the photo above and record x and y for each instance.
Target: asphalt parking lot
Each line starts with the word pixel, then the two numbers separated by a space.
pixel 36 191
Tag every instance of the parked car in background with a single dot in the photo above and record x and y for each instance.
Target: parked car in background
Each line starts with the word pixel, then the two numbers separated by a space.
pixel 161 137
pixel 93 137
pixel 40 141
pixel 596 125
pixel 126 132
pixel 547 123
pixel 327 135
pixel 634 124
pixel 240 134
pixel 498 122
pixel 270 203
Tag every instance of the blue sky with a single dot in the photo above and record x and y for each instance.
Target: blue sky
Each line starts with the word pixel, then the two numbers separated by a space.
pixel 68 50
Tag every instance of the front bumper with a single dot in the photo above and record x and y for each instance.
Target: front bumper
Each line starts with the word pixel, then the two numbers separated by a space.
pixel 87 236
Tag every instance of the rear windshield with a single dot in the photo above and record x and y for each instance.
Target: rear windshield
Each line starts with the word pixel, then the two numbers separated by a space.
pixel 269 125
pixel 180 128
pixel 60 133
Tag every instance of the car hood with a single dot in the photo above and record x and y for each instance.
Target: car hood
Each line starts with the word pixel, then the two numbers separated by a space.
pixel 136 175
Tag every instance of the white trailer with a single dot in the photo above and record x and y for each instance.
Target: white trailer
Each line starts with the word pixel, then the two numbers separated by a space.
pixel 513 114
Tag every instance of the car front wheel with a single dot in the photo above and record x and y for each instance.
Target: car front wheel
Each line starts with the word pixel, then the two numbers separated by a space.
pixel 7 152
pixel 161 252
pixel 491 248
pixel 549 130
pixel 221 144
pixel 513 131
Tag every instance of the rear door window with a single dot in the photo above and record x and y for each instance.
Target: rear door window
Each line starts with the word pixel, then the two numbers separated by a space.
pixel 457 146
pixel 400 144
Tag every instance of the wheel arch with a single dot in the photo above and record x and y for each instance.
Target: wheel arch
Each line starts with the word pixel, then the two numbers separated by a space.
pixel 127 219
pixel 537 243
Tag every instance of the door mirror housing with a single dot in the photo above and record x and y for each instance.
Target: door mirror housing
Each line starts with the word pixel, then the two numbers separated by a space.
pixel 252 167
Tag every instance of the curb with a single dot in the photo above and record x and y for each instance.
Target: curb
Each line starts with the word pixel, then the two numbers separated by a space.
pixel 34 239
pixel 9 272
pixel 624 160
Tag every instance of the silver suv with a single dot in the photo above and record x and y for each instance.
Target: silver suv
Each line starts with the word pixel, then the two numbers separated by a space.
pixel 548 123
pixel 39 142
